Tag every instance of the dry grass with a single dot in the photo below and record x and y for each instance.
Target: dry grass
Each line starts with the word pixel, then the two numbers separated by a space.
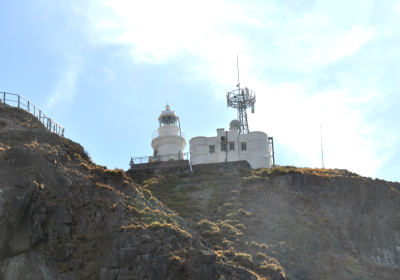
pixel 265 173
pixel 85 166
pixel 32 145
pixel 105 187
pixel 158 225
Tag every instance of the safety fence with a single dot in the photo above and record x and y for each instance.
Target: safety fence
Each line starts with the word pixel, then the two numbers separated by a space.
pixel 148 159
pixel 16 100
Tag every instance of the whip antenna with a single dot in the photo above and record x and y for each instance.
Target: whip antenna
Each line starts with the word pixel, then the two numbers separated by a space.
pixel 237 63
pixel 322 151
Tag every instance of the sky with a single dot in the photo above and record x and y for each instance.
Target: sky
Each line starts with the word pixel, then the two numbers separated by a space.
pixel 106 69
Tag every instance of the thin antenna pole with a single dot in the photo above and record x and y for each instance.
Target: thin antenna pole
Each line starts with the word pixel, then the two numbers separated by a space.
pixel 322 151
pixel 237 63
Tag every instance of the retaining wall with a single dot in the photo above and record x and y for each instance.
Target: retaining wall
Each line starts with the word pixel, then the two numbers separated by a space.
pixel 161 167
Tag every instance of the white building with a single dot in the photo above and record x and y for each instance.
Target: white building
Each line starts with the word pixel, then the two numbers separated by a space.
pixel 232 146
pixel 168 141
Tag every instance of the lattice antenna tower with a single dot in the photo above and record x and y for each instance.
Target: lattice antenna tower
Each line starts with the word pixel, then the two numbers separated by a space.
pixel 241 99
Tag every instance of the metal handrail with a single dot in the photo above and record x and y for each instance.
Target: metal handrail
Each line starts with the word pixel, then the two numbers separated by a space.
pixel 34 110
pixel 147 159
pixel 180 133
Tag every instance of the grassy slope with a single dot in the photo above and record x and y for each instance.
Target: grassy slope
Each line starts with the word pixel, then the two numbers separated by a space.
pixel 253 219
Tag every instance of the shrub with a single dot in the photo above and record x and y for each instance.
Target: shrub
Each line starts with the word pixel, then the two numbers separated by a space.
pixel 230 254
pixel 75 150
pixel 244 259
pixel 268 268
pixel 240 226
pixel 261 256
pixel 117 174
pixel 226 243
pixel 206 225
pixel 226 227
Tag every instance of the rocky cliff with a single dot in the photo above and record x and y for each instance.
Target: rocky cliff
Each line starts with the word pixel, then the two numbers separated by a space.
pixel 64 217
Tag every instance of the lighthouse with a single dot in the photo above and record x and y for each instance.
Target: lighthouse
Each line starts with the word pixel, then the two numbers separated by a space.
pixel 168 141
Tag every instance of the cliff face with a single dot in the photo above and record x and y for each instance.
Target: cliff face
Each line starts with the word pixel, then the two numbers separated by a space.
pixel 299 222
pixel 64 217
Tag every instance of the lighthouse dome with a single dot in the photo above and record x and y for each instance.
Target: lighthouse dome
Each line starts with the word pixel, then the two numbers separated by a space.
pixel 168 117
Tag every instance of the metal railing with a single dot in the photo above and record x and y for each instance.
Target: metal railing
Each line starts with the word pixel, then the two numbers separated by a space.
pixel 180 133
pixel 148 159
pixel 21 102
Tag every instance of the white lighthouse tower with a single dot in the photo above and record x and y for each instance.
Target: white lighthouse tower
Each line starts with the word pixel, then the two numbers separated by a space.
pixel 168 141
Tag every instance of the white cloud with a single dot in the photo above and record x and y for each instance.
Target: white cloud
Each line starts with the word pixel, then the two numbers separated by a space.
pixel 293 118
pixel 65 89
pixel 262 34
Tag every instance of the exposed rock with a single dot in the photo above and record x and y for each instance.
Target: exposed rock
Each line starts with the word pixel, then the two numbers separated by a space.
pixel 203 263
pixel 29 266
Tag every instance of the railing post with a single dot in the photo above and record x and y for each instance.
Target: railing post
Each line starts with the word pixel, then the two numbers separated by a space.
pixel 4 98
pixel 18 100
pixel 40 115
pixel 28 106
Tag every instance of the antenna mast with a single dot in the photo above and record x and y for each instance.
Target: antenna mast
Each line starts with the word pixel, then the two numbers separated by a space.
pixel 241 99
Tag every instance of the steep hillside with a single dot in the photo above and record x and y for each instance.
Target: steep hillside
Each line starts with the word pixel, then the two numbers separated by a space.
pixel 305 223
pixel 64 217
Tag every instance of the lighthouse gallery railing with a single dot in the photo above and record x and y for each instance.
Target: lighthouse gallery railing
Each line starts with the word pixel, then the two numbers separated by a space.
pixel 148 159
pixel 180 133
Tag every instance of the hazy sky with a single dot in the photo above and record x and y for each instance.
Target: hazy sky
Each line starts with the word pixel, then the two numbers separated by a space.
pixel 106 69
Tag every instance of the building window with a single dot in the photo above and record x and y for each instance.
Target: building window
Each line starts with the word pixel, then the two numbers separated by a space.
pixel 232 146
pixel 212 149
pixel 223 146
pixel 244 146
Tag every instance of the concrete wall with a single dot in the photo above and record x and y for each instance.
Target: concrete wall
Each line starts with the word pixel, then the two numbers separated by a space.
pixel 222 166
pixel 257 152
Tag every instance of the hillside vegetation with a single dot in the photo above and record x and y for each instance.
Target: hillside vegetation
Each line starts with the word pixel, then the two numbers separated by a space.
pixel 301 223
